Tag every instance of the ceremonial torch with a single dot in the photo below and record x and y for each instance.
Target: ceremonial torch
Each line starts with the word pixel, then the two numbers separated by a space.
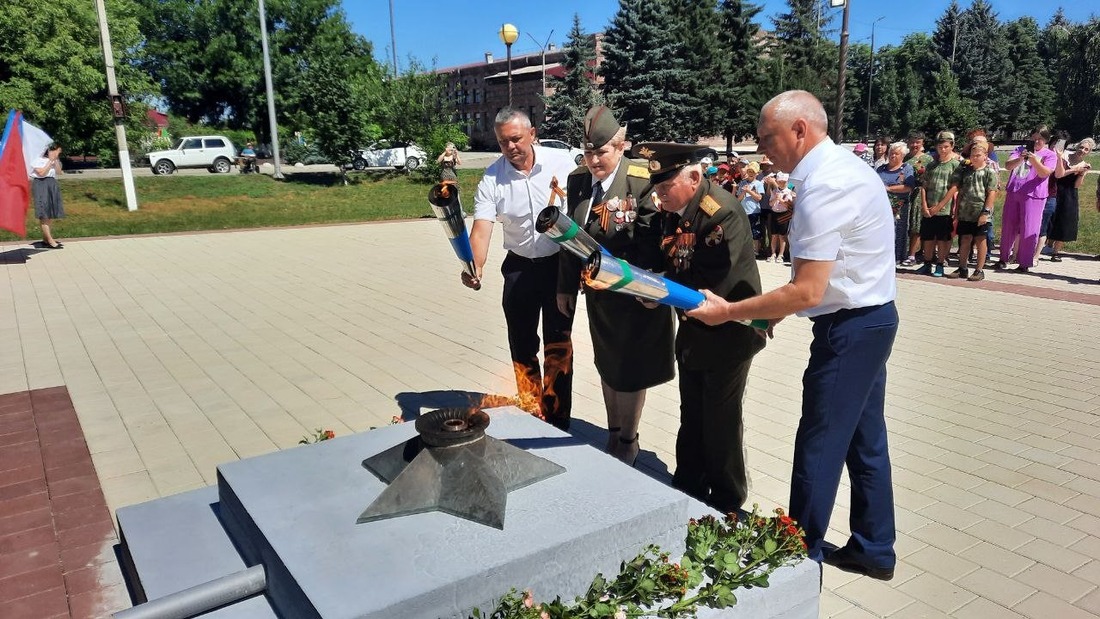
pixel 604 272
pixel 561 229
pixel 443 197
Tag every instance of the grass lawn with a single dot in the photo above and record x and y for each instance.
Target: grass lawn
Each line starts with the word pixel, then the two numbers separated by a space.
pixel 214 202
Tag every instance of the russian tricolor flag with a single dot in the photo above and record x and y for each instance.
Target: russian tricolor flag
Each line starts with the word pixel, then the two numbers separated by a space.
pixel 20 144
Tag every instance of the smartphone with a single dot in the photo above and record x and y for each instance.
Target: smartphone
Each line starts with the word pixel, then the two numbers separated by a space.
pixel 1060 145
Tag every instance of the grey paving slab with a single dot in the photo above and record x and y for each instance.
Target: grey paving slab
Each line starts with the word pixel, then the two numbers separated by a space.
pixel 183 351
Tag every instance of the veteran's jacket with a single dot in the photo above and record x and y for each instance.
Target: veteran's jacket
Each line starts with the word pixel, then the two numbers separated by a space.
pixel 631 236
pixel 711 247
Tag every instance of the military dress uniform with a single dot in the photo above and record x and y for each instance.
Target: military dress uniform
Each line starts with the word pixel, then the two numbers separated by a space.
pixel 632 344
pixel 709 245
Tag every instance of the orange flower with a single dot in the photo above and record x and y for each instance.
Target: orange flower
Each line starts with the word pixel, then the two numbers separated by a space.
pixel 329 434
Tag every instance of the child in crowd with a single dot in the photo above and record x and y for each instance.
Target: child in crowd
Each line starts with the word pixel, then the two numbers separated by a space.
pixel 975 183
pixel 782 203
pixel 936 206
pixel 750 191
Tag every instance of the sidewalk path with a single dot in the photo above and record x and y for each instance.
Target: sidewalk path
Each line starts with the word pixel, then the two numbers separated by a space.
pixel 182 352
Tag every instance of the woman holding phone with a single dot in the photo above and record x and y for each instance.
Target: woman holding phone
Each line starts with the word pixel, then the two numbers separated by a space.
pixel 1029 166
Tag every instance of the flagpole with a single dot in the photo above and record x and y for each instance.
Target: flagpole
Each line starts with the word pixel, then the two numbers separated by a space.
pixel 116 108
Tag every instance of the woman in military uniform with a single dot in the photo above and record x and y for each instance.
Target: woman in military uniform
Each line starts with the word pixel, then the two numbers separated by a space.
pixel 632 342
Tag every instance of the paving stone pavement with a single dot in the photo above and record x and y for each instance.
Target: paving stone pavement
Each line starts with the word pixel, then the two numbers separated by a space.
pixel 181 352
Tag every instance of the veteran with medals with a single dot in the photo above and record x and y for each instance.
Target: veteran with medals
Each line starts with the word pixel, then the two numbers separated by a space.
pixel 707 243
pixel 632 343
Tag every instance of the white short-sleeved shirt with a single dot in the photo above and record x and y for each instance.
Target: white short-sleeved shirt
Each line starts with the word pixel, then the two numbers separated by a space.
pixel 42 162
pixel 515 199
pixel 842 213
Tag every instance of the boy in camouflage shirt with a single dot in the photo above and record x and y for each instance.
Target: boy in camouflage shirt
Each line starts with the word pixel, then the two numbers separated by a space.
pixel 975 183
pixel 935 225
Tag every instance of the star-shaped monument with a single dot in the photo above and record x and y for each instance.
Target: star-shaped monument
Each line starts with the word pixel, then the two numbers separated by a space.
pixel 453 467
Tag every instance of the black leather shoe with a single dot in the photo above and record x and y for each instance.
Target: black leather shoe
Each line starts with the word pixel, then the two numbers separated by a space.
pixel 844 560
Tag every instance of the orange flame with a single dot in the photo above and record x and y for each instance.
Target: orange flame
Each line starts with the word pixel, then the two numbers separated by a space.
pixel 559 357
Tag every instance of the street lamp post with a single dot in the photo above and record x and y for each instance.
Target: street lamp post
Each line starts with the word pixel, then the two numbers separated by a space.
pixel 838 122
pixel 871 77
pixel 508 35
pixel 543 48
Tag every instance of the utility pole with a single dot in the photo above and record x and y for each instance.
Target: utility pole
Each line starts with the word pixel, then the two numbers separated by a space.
pixel 270 95
pixel 838 123
pixel 393 41
pixel 117 108
pixel 871 77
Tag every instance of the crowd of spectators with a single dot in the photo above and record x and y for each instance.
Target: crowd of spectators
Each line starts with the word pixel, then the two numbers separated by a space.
pixel 941 194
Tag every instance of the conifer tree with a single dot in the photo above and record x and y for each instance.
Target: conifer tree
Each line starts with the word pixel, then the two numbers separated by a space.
pixel 980 65
pixel 694 24
pixel 574 93
pixel 643 71
pixel 739 74
pixel 809 60
pixel 945 37
pixel 1031 96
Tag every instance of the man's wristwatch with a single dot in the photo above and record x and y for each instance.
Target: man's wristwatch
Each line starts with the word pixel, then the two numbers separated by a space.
pixel 986 211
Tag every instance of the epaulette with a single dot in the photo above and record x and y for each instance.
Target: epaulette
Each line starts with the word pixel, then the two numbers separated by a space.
pixel 637 171
pixel 581 169
pixel 709 205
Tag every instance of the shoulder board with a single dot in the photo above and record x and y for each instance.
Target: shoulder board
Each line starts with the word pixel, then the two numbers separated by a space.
pixel 709 205
pixel 637 171
pixel 581 169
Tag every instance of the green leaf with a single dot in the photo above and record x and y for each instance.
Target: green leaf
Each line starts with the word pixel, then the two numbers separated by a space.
pixel 770 546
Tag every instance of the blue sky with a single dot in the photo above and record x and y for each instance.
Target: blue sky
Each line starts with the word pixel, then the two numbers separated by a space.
pixel 459 32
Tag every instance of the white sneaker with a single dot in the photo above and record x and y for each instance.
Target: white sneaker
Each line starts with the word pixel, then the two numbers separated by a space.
pixel 769 259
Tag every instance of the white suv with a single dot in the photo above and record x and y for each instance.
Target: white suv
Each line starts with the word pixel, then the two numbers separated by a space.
pixel 213 152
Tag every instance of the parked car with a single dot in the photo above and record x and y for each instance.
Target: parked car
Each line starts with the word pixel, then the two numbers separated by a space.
pixel 213 152
pixel 385 154
pixel 576 153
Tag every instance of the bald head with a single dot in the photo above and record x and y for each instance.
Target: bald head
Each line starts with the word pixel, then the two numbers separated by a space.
pixel 788 107
pixel 791 125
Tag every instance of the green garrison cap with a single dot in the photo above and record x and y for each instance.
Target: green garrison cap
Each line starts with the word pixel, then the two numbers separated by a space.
pixel 599 127
pixel 666 158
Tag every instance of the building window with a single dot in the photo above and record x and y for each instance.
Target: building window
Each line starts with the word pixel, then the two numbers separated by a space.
pixel 477 120
pixel 477 98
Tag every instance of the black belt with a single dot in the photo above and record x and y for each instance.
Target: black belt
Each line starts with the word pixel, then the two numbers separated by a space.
pixel 512 254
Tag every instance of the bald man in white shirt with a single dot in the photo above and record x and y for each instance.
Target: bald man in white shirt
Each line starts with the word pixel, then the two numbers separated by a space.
pixel 841 240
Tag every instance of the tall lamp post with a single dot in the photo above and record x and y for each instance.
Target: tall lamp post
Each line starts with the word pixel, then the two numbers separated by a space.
pixel 838 123
pixel 508 35
pixel 871 76
pixel 543 48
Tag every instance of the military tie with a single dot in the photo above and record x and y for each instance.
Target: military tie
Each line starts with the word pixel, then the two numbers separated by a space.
pixel 597 197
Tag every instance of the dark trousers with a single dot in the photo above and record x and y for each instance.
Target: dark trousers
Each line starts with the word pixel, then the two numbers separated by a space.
pixel 844 390
pixel 710 455
pixel 530 292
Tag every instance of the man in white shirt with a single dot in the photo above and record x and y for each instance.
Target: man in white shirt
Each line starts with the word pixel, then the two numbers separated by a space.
pixel 841 239
pixel 514 190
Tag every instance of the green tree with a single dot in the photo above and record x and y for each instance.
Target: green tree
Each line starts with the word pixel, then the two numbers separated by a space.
pixel 1081 116
pixel 694 24
pixel 945 36
pixel 947 108
pixel 1027 87
pixel 574 92
pixel 739 75
pixel 51 67
pixel 206 55
pixel 643 70
pixel 413 107
pixel 1052 51
pixel 809 59
pixel 980 65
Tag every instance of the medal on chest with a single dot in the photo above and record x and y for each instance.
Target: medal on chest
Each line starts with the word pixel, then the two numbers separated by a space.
pixel 680 246
pixel 616 213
